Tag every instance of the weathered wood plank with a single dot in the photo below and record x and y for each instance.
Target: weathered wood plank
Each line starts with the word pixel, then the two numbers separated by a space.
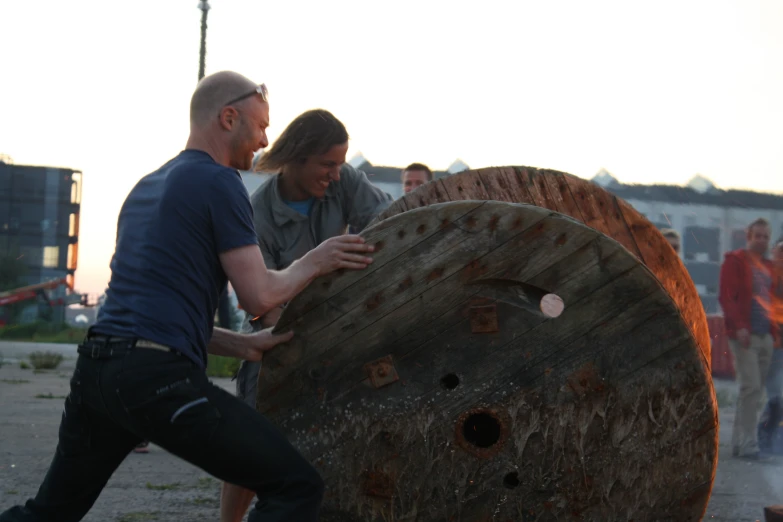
pixel 398 206
pixel 536 185
pixel 583 193
pixel 601 212
pixel 502 184
pixel 427 194
pixel 561 193
pixel 466 188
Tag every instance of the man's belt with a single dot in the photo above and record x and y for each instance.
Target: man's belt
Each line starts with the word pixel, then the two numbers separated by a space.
pixel 97 346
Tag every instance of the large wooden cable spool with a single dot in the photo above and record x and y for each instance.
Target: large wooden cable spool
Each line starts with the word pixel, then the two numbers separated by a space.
pixel 444 382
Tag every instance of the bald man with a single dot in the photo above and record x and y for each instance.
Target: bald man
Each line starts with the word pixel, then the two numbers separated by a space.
pixel 183 231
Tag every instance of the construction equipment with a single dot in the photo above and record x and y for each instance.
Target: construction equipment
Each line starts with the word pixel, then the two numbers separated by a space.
pixel 39 291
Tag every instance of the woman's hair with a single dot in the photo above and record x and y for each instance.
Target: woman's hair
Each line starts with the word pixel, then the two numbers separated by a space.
pixel 311 133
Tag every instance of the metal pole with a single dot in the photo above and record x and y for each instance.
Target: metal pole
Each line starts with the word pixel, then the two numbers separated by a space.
pixel 204 6
pixel 224 306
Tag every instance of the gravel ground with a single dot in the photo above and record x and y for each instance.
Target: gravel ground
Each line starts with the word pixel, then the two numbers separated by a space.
pixel 157 486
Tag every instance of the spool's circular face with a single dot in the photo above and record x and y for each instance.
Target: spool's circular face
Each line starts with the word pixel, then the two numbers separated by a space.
pixel 495 360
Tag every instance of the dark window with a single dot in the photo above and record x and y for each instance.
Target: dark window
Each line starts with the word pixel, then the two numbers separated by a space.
pixel 701 240
pixel 738 239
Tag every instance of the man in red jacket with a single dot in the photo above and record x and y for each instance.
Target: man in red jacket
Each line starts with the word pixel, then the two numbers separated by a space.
pixel 769 432
pixel 746 280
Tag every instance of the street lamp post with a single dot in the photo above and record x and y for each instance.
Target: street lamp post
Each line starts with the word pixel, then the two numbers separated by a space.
pixel 224 306
pixel 204 6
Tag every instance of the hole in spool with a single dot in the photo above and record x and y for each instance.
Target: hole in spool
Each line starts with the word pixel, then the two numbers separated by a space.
pixel 481 430
pixel 449 381
pixel 511 480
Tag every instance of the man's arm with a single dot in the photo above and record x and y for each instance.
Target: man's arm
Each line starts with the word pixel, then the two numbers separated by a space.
pixel 260 290
pixel 271 317
pixel 248 347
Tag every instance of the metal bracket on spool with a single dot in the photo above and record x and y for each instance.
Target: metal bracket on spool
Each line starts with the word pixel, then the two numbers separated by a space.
pixel 484 319
pixel 381 372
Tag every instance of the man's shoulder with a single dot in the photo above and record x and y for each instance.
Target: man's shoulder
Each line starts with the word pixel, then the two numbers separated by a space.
pixel 203 179
pixel 734 255
pixel 265 189
pixel 262 197
pixel 193 166
pixel 350 179
pixel 263 202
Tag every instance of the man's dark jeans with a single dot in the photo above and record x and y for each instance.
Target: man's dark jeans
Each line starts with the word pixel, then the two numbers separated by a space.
pixel 120 397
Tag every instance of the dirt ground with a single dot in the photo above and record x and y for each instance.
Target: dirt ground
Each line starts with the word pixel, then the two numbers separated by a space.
pixel 159 487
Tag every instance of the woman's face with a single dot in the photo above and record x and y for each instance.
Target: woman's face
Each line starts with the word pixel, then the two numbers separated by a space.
pixel 317 172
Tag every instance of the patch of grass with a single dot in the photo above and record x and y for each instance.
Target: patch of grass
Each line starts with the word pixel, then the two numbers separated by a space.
pixel 67 336
pixel 205 482
pixel 50 396
pixel 45 360
pixel 162 487
pixel 12 492
pixel 15 381
pixel 219 366
pixel 23 365
pixel 138 517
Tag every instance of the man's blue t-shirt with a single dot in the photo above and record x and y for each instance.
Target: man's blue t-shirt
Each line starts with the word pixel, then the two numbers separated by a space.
pixel 166 274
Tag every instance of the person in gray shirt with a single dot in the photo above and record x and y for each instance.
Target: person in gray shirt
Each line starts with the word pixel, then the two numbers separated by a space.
pixel 312 196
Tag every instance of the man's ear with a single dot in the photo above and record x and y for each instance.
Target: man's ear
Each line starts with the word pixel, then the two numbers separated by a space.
pixel 228 118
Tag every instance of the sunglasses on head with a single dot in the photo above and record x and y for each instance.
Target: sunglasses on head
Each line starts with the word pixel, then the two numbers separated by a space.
pixel 261 89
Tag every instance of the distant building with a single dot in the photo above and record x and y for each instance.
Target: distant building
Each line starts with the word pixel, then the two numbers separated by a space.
pixel 711 222
pixel 39 225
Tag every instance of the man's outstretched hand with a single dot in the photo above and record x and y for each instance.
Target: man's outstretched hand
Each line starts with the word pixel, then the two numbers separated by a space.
pixel 339 252
pixel 260 342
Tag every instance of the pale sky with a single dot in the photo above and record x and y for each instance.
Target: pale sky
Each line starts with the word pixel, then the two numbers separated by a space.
pixel 653 91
